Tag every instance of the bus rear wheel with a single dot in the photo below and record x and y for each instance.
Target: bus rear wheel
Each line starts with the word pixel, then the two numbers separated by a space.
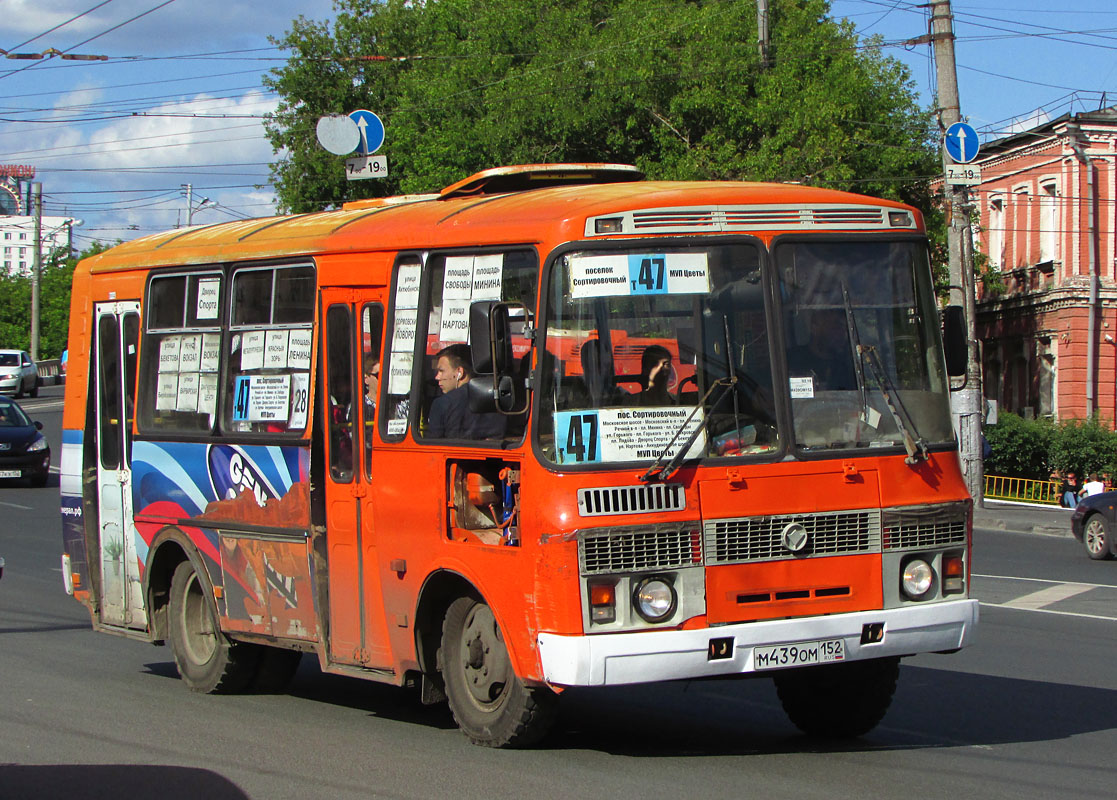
pixel 207 661
pixel 838 701
pixel 490 703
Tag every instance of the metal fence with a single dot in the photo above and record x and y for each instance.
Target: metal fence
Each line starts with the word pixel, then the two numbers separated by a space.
pixel 1025 490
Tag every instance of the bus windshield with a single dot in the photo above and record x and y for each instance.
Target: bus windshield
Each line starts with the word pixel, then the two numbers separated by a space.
pixel 649 350
pixel 864 352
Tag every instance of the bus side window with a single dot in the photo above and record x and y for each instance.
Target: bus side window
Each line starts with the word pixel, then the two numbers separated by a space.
pixel 341 413
pixel 372 331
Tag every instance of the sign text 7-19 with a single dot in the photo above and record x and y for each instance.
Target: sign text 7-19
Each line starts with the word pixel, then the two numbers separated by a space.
pixel 366 167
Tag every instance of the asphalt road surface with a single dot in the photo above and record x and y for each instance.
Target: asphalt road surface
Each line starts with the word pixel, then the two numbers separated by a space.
pixel 1029 712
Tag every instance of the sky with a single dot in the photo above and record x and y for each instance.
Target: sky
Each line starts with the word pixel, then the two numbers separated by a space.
pixel 179 101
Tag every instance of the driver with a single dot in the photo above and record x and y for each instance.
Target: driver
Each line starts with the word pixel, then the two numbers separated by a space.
pixel 655 372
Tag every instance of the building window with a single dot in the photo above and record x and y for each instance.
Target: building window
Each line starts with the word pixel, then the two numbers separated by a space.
pixel 23 236
pixel 1048 220
pixel 1021 228
pixel 997 232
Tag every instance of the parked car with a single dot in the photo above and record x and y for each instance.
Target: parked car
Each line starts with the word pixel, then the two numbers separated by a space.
pixel 18 373
pixel 24 452
pixel 1093 523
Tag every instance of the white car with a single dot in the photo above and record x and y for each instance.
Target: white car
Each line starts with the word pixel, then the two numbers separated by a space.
pixel 18 373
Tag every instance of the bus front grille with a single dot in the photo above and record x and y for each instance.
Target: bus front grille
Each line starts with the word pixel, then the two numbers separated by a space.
pixel 921 527
pixel 650 547
pixel 748 539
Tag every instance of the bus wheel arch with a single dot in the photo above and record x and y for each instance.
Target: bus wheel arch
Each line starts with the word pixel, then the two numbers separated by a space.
pixel 165 557
pixel 184 614
pixel 440 589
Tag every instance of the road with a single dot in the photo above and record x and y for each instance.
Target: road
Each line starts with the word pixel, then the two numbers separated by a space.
pixel 1028 712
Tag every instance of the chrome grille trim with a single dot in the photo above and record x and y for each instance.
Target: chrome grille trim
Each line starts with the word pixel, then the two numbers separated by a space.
pixel 724 219
pixel 638 549
pixel 920 527
pixel 642 499
pixel 831 533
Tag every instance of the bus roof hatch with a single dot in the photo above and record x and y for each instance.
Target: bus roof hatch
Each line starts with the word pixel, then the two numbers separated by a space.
pixel 523 177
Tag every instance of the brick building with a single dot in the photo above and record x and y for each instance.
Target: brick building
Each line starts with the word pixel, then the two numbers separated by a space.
pixel 1047 222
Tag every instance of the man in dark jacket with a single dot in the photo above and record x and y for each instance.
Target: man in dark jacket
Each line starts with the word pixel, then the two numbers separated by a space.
pixel 450 417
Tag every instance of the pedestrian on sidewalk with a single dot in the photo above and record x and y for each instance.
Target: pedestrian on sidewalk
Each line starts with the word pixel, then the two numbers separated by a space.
pixel 1092 486
pixel 1069 490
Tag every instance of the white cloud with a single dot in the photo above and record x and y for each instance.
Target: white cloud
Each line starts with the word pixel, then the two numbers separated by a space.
pixel 108 155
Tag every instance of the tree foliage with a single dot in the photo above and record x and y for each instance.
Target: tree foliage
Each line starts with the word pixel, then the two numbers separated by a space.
pixel 674 86
pixel 54 304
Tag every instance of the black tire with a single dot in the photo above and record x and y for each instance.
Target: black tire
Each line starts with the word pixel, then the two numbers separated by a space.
pixel 838 701
pixel 1095 537
pixel 207 661
pixel 276 669
pixel 35 388
pixel 490 703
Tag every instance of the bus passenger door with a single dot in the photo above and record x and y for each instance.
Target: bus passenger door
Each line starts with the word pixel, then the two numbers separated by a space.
pixel 356 616
pixel 117 335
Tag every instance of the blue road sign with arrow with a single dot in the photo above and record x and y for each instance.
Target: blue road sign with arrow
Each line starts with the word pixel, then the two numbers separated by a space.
pixel 372 131
pixel 961 143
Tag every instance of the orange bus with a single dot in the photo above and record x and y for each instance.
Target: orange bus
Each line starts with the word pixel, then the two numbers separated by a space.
pixel 554 426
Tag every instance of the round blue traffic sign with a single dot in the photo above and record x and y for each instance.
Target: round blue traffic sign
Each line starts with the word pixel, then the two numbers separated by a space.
pixel 372 131
pixel 961 143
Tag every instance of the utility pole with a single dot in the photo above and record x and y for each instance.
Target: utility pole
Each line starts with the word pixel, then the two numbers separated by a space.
pixel 762 31
pixel 967 403
pixel 36 265
pixel 189 187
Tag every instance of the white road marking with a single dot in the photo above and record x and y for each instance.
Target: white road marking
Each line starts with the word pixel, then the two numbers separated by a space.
pixel 1054 592
pixel 1034 601
pixel 1053 611
pixel 15 505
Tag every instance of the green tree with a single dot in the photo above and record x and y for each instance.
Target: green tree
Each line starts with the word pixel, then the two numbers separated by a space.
pixel 54 304
pixel 675 87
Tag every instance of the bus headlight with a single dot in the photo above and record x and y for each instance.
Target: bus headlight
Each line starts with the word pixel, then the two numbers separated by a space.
pixel 917 578
pixel 654 599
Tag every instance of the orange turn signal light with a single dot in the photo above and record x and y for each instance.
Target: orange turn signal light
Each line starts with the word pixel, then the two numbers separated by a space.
pixel 603 602
pixel 953 574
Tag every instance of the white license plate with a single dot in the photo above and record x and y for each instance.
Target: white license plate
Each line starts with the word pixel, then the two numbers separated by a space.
pixel 9 473
pixel 798 654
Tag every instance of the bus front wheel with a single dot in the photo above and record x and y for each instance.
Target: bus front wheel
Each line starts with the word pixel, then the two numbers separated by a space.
pixel 838 701
pixel 490 703
pixel 207 661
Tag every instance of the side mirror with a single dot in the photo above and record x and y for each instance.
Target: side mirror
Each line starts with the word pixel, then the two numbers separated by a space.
pixel 38 425
pixel 494 365
pixel 954 341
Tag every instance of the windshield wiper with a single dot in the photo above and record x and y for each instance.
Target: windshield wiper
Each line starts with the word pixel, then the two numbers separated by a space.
pixel 665 471
pixel 858 367
pixel 915 444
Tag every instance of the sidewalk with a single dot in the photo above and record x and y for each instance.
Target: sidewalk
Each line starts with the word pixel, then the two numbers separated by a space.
pixel 1018 518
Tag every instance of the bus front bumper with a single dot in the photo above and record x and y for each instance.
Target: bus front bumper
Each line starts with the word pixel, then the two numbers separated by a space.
pixel 643 657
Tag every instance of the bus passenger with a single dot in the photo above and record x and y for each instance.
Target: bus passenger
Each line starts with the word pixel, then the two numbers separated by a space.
pixel 655 371
pixel 450 416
